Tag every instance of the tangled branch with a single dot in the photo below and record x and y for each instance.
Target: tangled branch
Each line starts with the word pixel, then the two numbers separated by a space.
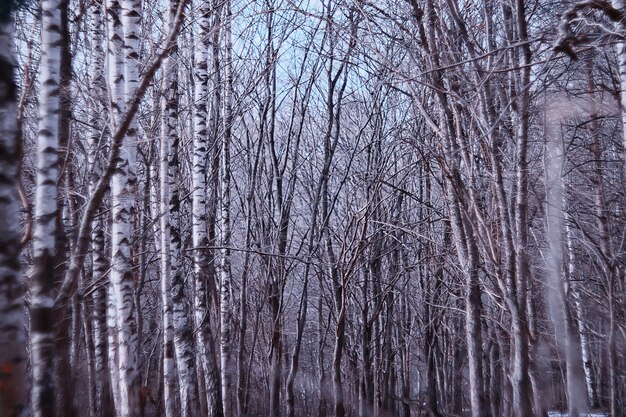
pixel 569 39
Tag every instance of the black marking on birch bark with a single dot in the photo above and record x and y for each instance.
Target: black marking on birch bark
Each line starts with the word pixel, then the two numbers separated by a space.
pixel 46 218
pixel 134 14
pixel 7 81
pixel 10 253
pixel 41 319
pixel 5 180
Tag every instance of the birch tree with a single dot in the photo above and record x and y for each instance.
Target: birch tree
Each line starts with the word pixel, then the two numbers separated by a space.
pixel 123 72
pixel 200 161
pixel 13 342
pixel 179 336
pixel 103 404
pixel 324 208
pixel 170 247
pixel 44 242
pixel 226 330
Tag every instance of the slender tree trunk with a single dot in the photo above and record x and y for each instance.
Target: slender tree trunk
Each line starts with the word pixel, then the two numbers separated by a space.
pixel 100 263
pixel 251 214
pixel 46 214
pixel 13 342
pixel 170 230
pixel 115 63
pixel 534 372
pixel 170 168
pixel 592 395
pixel 204 336
pixel 620 51
pixel 324 391
pixel 276 268
pixel 340 332
pixel 605 247
pixel 522 388
pixel 225 232
pixel 462 229
pixel 67 310
pixel 303 306
pixel 614 369
pixel 430 342
pixel 473 309
pixel 123 64
pixel 87 323
pixel 113 348
pixel 168 252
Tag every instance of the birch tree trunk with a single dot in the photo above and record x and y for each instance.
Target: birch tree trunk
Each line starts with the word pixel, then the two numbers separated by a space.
pixel 606 248
pixel 522 391
pixel 579 312
pixel 170 241
pixel 432 156
pixel 225 232
pixel 13 342
pixel 620 52
pixel 112 342
pixel 46 213
pixel 115 63
pixel 100 264
pixel 64 310
pixel 167 249
pixel 576 287
pixel 124 73
pixel 620 49
pixel 204 336
pixel 170 220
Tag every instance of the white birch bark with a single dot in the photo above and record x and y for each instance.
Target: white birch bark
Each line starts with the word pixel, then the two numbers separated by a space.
pixel 112 351
pixel 620 51
pixel 100 264
pixel 77 258
pixel 169 360
pixel 99 323
pixel 86 322
pixel 580 315
pixel 170 172
pixel 115 59
pixel 168 250
pixel 13 343
pixel 123 67
pixel 114 65
pixel 204 337
pixel 155 206
pixel 123 193
pixel 225 232
pixel 42 297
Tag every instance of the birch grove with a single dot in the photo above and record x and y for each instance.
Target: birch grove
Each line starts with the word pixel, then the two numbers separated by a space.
pixel 334 208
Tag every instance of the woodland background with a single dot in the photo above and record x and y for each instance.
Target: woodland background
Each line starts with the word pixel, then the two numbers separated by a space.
pixel 322 208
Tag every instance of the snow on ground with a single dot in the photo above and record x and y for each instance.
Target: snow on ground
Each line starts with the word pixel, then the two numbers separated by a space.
pixel 560 414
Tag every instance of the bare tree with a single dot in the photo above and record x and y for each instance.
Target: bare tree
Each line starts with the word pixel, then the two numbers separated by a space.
pixel 321 208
